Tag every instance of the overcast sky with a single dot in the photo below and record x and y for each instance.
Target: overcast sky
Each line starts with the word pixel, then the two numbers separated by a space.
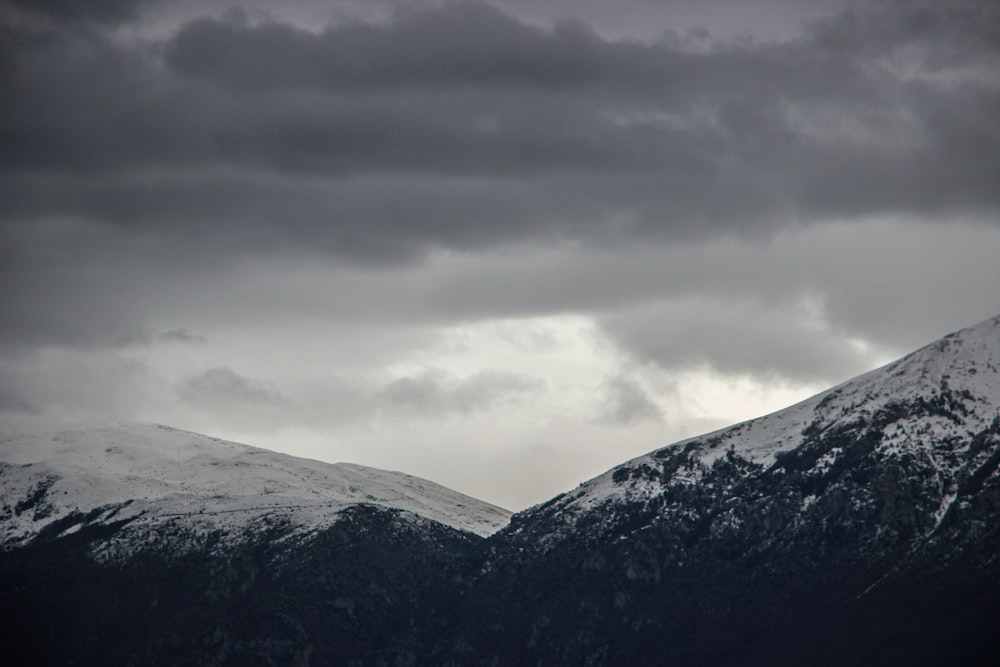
pixel 501 245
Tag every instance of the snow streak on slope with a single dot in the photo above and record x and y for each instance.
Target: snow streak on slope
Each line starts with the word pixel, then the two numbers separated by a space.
pixel 955 383
pixel 157 474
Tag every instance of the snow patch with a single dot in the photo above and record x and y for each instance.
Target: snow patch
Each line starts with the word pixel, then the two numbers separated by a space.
pixel 165 473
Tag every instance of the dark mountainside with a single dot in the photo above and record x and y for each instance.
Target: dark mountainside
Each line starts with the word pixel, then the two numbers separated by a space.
pixel 874 541
pixel 861 526
pixel 339 596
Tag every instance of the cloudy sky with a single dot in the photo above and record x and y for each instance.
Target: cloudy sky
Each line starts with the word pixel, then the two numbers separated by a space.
pixel 501 245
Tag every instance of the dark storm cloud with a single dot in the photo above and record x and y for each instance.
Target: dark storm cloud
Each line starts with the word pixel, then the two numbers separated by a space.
pixel 76 284
pixel 769 340
pixel 470 44
pixel 128 167
pixel 103 11
pixel 623 138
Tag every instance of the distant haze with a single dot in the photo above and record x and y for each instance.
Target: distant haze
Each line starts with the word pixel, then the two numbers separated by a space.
pixel 504 245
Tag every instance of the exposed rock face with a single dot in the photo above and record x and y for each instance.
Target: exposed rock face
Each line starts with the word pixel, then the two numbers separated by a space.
pixel 861 526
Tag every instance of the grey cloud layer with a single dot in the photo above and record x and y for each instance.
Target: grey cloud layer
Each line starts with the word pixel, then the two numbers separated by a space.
pixel 233 397
pixel 462 44
pixel 342 140
pixel 768 342
pixel 626 403
pixel 137 172
pixel 101 11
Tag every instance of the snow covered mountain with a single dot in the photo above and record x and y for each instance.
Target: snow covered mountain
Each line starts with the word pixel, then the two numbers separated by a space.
pixel 146 475
pixel 133 543
pixel 861 526
pixel 934 411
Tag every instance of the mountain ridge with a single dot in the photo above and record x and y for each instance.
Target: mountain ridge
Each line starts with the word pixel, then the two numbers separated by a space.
pixel 763 440
pixel 149 472
pixel 859 526
pixel 774 541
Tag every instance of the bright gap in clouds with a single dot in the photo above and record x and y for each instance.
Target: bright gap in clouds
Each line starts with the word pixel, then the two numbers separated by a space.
pixel 583 409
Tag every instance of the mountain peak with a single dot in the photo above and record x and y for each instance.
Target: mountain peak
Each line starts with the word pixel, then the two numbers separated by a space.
pixel 856 527
pixel 943 392
pixel 147 472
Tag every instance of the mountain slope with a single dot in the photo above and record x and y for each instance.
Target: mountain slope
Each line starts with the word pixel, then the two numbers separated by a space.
pixel 139 544
pixel 150 473
pixel 859 526
pixel 927 409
